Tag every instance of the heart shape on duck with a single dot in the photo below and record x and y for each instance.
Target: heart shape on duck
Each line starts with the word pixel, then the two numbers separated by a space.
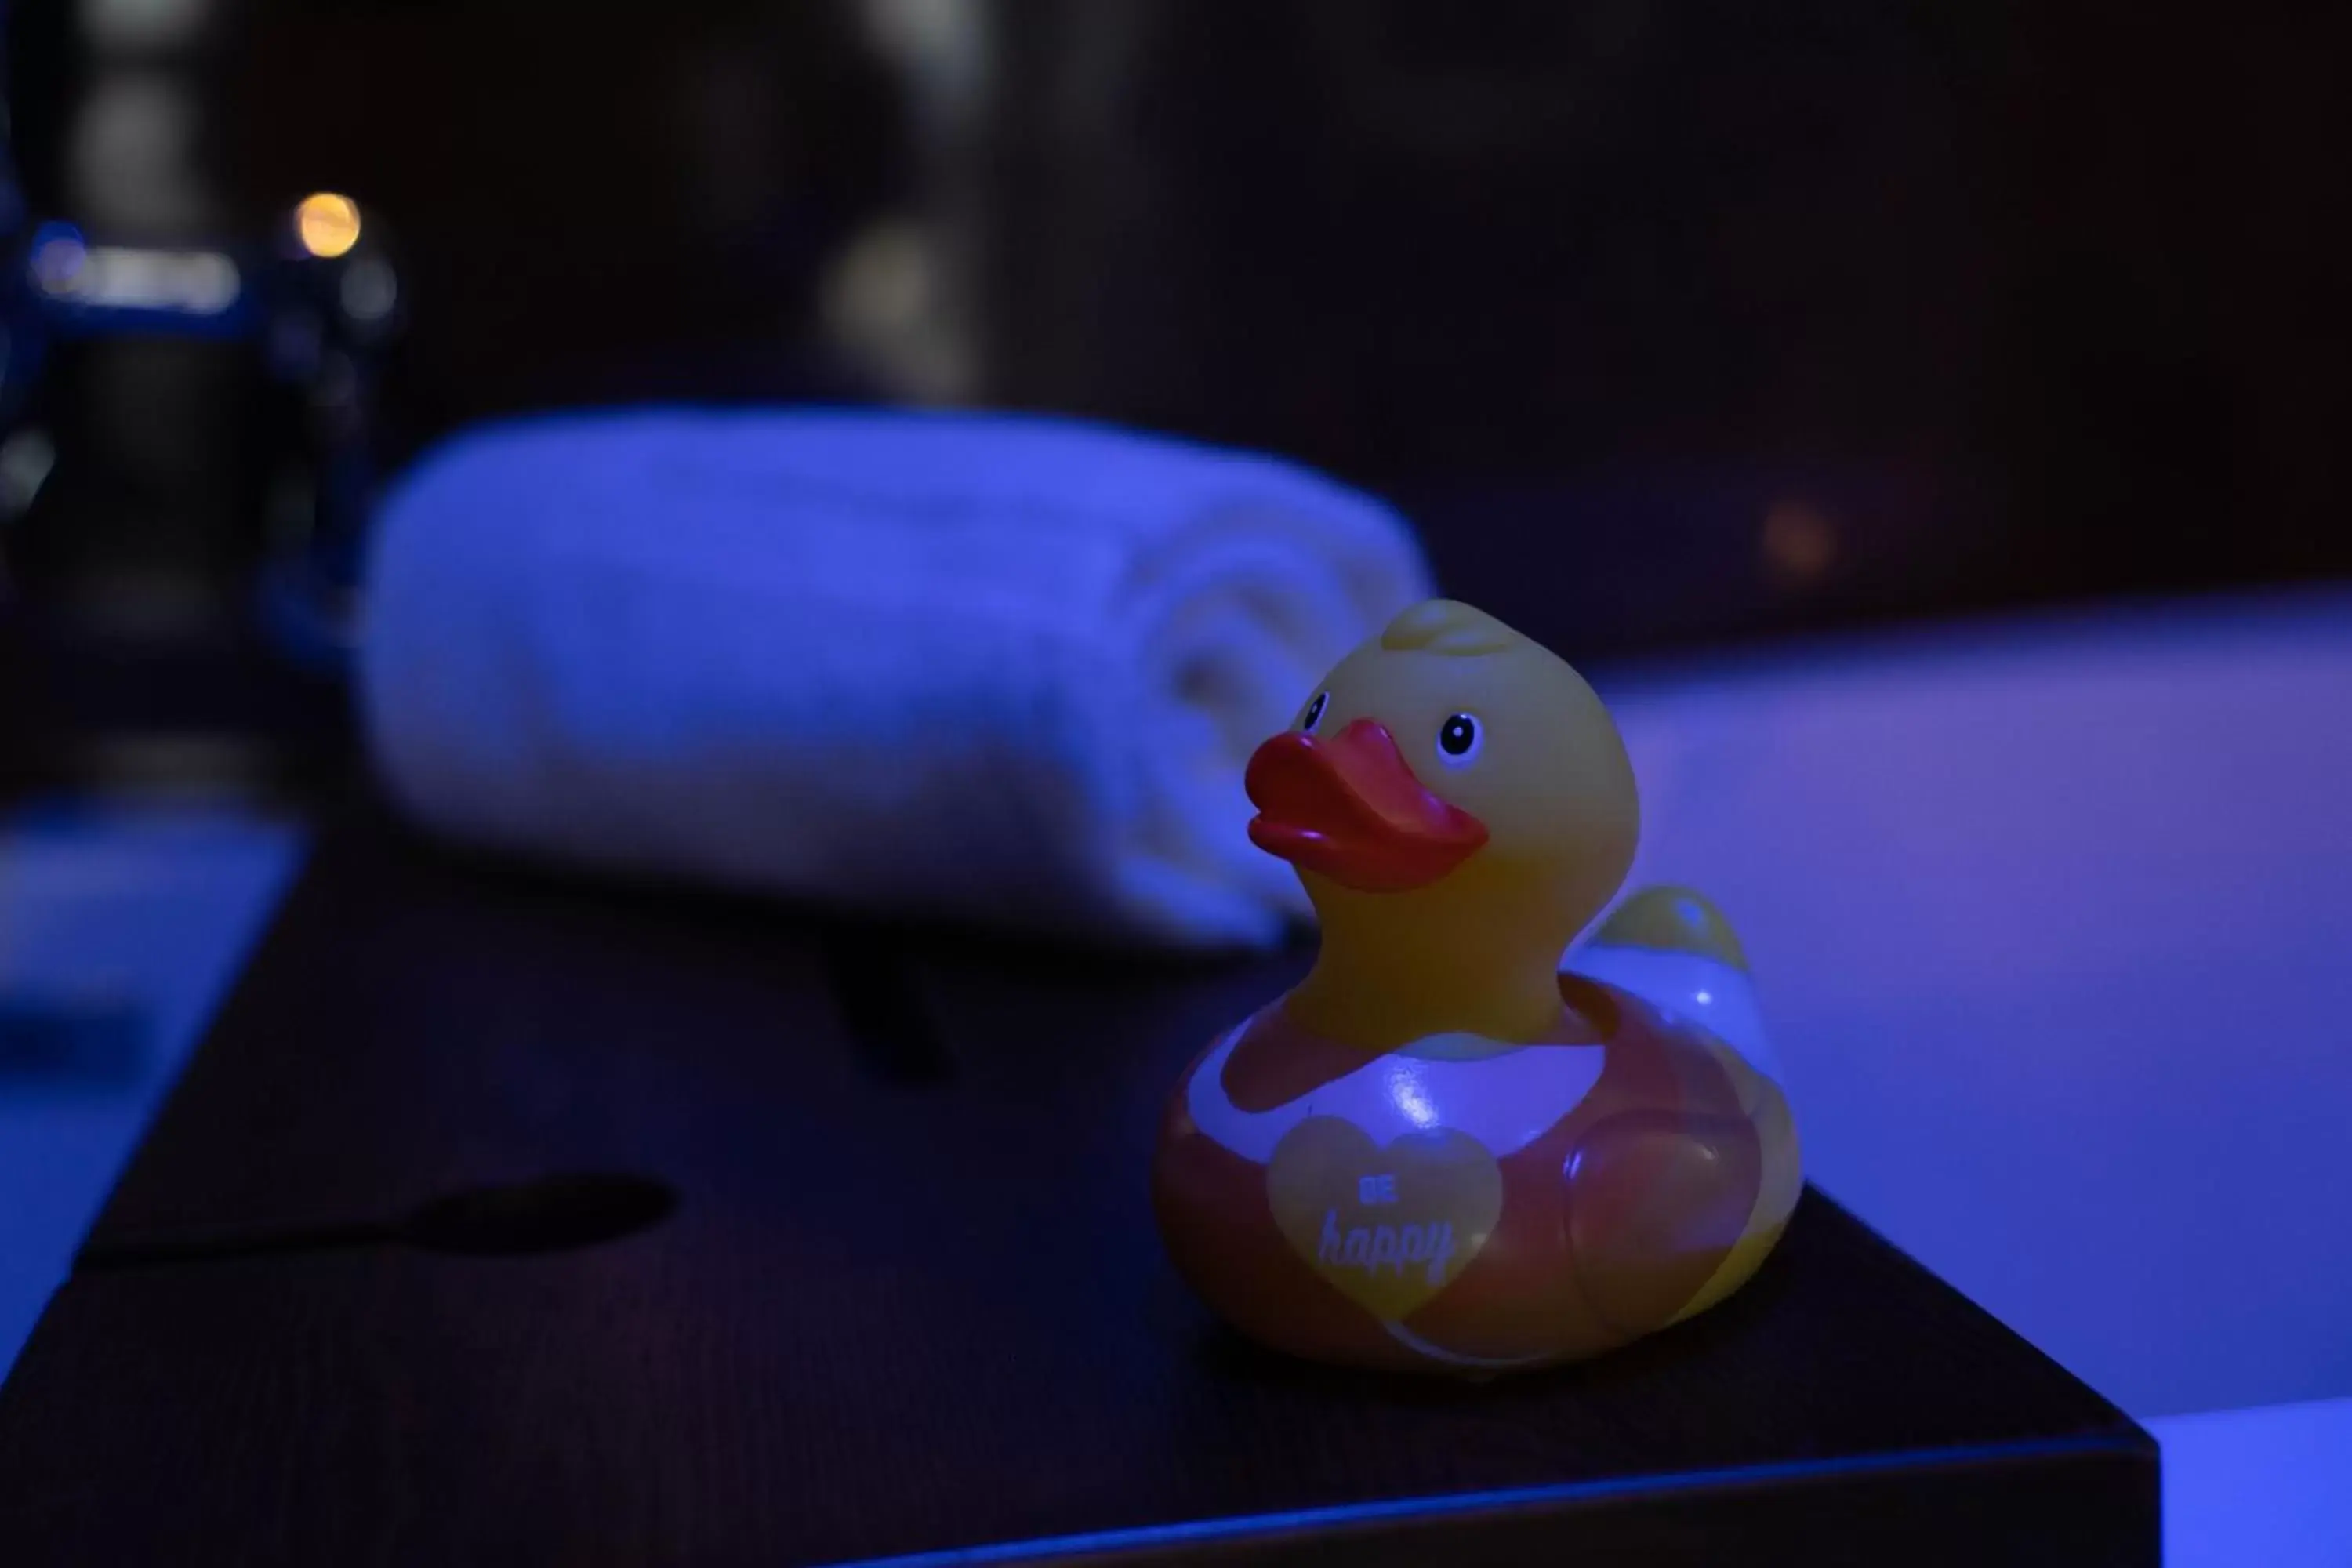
pixel 1388 1227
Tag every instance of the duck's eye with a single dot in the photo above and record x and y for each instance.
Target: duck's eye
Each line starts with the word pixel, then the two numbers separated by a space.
pixel 1314 714
pixel 1459 739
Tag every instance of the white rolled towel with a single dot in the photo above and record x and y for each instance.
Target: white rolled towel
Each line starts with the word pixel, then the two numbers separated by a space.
pixel 983 667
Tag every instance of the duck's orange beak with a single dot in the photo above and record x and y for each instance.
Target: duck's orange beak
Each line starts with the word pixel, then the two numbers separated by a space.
pixel 1349 808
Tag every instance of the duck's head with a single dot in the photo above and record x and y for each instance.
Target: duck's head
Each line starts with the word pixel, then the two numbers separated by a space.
pixel 1452 789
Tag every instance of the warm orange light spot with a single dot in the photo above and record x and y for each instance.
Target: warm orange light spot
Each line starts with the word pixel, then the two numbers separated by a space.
pixel 1799 544
pixel 327 225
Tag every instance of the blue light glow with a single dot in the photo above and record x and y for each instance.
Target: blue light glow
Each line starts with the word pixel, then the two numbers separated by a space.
pixel 1207 1532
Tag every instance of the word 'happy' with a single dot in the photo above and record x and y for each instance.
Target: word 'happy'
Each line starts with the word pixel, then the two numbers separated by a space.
pixel 1374 1247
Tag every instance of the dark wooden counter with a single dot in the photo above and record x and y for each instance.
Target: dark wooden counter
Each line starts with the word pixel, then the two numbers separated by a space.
pixel 910 1300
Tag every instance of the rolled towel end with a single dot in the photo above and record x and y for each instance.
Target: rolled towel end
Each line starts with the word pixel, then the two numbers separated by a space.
pixel 994 668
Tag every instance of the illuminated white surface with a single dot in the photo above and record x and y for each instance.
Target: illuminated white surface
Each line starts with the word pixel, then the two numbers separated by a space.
pixel 2270 1486
pixel 160 910
pixel 2051 927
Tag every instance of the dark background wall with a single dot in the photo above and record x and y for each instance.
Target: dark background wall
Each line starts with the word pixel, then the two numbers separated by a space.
pixel 1789 316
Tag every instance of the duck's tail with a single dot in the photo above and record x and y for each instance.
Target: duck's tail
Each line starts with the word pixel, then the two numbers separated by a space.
pixel 1673 949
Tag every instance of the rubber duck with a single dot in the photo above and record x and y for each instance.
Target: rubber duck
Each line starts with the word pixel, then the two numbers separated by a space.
pixel 1447 1148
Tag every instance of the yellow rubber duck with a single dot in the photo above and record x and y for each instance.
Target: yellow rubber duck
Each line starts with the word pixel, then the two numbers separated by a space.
pixel 1440 1150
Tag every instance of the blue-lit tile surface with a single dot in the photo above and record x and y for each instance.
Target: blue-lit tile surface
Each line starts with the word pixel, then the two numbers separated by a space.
pixel 119 934
pixel 2268 1487
pixel 2051 924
